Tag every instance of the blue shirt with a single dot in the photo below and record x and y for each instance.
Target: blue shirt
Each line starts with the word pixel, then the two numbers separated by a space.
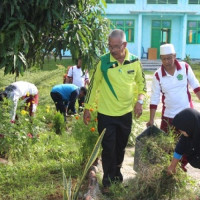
pixel 65 90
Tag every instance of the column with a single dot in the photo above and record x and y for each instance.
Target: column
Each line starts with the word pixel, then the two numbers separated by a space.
pixel 184 35
pixel 139 42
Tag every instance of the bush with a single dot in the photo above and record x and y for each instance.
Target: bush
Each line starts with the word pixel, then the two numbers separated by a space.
pixel 86 135
pixel 58 123
pixel 187 59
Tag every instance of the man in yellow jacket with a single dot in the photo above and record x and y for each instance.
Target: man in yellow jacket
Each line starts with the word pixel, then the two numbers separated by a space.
pixel 115 77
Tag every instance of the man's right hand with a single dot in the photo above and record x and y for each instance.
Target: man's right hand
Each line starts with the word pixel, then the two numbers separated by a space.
pixel 86 116
pixel 150 123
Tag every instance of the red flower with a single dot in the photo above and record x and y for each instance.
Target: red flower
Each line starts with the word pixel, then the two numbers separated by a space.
pixel 30 135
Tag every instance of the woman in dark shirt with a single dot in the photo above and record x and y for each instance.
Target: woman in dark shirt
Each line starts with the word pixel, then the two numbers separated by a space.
pixel 187 122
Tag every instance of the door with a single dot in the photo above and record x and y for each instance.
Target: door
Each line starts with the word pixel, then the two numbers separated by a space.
pixel 160 34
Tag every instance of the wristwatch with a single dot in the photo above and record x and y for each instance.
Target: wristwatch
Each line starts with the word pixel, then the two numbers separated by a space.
pixel 140 101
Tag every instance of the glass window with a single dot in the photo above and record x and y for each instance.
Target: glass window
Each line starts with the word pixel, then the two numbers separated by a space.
pixel 172 1
pixel 192 24
pixel 191 36
pixel 151 1
pixel 109 1
pixel 156 23
pixel 194 1
pixel 121 1
pixel 129 34
pixel 198 37
pixel 166 24
pixel 193 32
pixel 120 24
pixel 162 1
pixel 127 26
pixel 130 23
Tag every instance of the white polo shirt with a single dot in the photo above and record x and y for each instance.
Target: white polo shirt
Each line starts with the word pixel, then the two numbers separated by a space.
pixel 174 89
pixel 78 76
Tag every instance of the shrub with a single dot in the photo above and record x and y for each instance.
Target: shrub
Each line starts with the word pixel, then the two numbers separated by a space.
pixel 86 135
pixel 58 123
pixel 187 59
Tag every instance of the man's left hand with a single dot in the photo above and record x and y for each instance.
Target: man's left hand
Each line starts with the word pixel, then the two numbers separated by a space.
pixel 138 110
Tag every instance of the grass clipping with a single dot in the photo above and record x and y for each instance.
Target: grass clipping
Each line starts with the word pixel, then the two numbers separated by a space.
pixel 152 181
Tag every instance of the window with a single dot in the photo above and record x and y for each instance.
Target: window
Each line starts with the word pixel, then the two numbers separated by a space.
pixel 121 1
pixel 193 32
pixel 127 26
pixel 194 1
pixel 161 24
pixel 162 1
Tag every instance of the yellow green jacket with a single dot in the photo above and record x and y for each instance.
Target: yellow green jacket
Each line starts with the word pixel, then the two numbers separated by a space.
pixel 116 84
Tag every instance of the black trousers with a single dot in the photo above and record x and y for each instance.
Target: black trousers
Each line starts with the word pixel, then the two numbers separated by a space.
pixel 114 143
pixel 59 103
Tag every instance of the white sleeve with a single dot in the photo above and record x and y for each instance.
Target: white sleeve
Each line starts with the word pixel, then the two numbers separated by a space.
pixel 70 72
pixel 14 109
pixel 194 83
pixel 155 91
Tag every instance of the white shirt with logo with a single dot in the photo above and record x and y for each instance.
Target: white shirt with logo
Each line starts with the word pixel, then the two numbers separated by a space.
pixel 174 89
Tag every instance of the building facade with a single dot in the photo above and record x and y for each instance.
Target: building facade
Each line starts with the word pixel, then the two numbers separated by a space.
pixel 150 23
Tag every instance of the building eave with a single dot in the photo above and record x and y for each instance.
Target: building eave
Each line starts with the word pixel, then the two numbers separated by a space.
pixel 164 12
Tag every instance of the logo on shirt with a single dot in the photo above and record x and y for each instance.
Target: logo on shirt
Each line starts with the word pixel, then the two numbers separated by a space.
pixel 180 77
pixel 130 71
pixel 120 70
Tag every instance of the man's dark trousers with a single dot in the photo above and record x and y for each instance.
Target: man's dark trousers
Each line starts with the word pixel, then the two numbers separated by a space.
pixel 59 103
pixel 114 143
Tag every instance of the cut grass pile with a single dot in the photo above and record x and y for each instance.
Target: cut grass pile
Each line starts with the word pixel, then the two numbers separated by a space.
pixel 152 181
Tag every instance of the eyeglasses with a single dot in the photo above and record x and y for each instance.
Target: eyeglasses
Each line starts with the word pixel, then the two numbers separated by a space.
pixel 117 47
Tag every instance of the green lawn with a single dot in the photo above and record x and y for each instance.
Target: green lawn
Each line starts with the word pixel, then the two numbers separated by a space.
pixel 35 165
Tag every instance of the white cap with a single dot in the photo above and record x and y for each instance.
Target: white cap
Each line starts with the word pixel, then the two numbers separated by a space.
pixel 166 49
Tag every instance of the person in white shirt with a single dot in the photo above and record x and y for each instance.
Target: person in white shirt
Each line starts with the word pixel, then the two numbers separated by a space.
pixel 79 78
pixel 26 91
pixel 172 79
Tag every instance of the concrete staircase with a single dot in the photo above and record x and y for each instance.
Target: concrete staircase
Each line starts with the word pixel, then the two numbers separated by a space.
pixel 150 64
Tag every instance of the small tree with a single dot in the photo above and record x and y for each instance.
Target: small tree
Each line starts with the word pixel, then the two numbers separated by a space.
pixel 30 30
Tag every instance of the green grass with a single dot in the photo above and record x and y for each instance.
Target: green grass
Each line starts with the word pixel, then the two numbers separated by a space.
pixel 36 174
